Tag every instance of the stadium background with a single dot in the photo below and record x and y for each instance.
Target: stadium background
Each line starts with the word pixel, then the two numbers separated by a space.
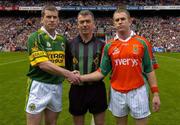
pixel 159 21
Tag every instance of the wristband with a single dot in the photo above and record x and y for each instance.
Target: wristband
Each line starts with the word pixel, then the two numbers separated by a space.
pixel 154 89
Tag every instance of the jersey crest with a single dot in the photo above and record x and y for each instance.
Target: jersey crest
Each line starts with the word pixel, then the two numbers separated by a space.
pixel 135 49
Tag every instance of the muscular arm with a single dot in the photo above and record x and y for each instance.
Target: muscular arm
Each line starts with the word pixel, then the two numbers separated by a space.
pixel 51 68
pixel 152 79
pixel 153 83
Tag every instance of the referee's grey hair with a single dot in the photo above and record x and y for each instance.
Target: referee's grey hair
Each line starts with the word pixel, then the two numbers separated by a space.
pixel 85 13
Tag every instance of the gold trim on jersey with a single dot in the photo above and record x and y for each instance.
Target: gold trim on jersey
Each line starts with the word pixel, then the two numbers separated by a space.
pixel 37 54
pixel 39 60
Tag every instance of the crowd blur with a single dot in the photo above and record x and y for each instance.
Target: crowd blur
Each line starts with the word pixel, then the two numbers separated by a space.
pixel 87 3
pixel 163 33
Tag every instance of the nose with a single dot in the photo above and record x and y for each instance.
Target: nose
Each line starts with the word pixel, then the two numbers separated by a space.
pixel 84 23
pixel 52 19
pixel 120 21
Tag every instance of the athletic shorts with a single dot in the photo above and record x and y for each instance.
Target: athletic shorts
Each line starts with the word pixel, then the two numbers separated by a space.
pixel 42 95
pixel 135 102
pixel 85 98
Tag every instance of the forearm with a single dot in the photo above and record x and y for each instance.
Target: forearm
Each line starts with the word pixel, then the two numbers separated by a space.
pixel 51 68
pixel 152 82
pixel 95 76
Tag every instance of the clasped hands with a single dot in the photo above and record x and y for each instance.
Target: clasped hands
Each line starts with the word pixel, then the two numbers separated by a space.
pixel 74 77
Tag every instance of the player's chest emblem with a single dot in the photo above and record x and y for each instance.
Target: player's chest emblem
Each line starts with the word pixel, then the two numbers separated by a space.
pixel 135 49
pixel 48 46
pixel 63 46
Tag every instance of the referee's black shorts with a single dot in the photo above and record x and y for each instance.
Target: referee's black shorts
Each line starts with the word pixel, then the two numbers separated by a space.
pixel 87 97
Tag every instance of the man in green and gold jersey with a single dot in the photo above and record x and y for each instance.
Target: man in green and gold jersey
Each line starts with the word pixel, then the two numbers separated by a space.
pixel 46 50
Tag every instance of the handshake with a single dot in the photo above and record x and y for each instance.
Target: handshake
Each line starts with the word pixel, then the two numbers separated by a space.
pixel 74 77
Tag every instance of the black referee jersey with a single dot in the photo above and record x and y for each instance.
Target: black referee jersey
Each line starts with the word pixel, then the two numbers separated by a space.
pixel 84 57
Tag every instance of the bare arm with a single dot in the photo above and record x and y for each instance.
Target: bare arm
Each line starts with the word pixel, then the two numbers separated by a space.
pixel 51 68
pixel 94 76
pixel 153 84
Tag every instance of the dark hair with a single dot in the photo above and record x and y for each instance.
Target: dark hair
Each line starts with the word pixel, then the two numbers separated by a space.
pixel 122 9
pixel 48 7
pixel 85 13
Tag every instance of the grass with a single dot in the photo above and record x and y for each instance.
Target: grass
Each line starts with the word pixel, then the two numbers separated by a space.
pixel 14 66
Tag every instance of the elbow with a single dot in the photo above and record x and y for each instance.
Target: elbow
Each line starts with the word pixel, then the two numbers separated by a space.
pixel 43 66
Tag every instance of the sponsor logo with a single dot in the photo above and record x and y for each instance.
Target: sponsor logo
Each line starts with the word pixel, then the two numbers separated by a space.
pixel 116 51
pixel 126 62
pixel 57 57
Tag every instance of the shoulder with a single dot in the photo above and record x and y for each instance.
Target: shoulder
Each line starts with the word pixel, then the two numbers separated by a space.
pixel 61 37
pixel 99 41
pixel 33 35
pixel 142 40
pixel 74 40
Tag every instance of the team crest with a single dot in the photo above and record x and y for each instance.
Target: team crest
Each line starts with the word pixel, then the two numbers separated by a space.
pixel 62 46
pixel 135 49
pixel 75 61
pixel 48 44
pixel 32 107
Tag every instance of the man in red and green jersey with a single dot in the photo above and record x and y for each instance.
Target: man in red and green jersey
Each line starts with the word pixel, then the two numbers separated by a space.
pixel 128 57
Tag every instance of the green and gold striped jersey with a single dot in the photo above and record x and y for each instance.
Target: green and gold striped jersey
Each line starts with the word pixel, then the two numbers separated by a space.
pixel 42 47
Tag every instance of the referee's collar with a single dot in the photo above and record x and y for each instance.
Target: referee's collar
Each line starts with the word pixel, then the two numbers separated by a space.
pixel 81 40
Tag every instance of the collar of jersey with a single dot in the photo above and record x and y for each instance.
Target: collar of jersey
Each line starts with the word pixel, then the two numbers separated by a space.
pixel 44 30
pixel 131 35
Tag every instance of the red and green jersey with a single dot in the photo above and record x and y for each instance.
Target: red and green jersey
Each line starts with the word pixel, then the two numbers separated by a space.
pixel 153 59
pixel 128 61
pixel 41 47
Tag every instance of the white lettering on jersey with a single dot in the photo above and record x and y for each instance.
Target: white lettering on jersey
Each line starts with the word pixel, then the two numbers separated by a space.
pixel 126 62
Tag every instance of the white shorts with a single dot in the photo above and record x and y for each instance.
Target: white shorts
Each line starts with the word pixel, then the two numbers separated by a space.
pixel 136 102
pixel 42 95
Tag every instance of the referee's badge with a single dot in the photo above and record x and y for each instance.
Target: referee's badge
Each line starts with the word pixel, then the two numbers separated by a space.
pixel 135 49
pixel 75 61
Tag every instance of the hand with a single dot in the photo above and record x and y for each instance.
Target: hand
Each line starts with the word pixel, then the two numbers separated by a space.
pixel 156 103
pixel 76 72
pixel 74 77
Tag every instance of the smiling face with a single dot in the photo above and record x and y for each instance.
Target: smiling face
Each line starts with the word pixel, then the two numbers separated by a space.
pixel 85 24
pixel 122 21
pixel 50 20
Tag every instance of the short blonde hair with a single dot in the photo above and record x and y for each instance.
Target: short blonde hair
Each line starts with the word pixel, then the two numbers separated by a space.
pixel 122 9
pixel 48 7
